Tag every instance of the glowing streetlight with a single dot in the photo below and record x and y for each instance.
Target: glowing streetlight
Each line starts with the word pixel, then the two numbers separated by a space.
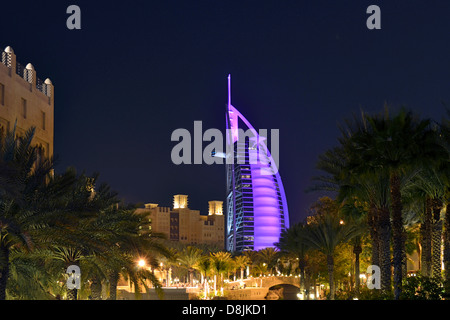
pixel 141 263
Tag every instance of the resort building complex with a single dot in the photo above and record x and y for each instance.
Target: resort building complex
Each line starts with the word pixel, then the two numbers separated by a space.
pixel 187 226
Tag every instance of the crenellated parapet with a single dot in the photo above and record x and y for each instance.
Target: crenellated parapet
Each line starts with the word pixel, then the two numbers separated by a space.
pixel 27 73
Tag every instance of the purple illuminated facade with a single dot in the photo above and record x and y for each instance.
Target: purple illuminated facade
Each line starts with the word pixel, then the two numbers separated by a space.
pixel 256 211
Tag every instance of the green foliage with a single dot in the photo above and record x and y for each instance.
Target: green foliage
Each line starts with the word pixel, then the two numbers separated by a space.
pixel 49 221
pixel 422 288
pixel 374 294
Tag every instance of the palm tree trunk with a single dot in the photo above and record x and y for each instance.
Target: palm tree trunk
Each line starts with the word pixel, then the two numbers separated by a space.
pixel 314 286
pixel 191 277
pixel 404 264
pixel 4 271
pixel 373 223
pixel 72 294
pixel 436 240
pixel 398 233
pixel 447 243
pixel 425 234
pixel 330 265
pixel 167 277
pixel 96 288
pixel 302 265
pixel 113 280
pixel 307 284
pixel 357 251
pixel 437 244
pixel 385 249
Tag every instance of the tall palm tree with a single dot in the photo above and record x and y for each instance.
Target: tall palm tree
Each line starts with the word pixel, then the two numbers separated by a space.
pixel 325 234
pixel 396 144
pixel 445 170
pixel 368 187
pixel 429 186
pixel 20 173
pixel 293 241
pixel 354 214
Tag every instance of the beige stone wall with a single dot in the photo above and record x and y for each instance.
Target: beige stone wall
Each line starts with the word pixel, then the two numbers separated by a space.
pixel 213 230
pixel 193 228
pixel 247 294
pixel 22 99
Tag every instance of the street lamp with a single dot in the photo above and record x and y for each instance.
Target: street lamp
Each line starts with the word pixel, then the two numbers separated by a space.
pixel 141 263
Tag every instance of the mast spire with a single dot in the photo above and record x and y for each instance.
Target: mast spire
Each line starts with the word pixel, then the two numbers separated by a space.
pixel 229 90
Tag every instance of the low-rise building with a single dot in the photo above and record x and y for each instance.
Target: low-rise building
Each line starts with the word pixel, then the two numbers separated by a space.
pixel 185 225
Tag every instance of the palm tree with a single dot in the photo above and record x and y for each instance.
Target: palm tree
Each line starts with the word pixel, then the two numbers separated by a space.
pixel 130 237
pixel 396 144
pixel 445 170
pixel 354 214
pixel 204 266
pixel 220 264
pixel 189 258
pixel 84 230
pixel 240 262
pixel 428 186
pixel 168 262
pixel 253 257
pixel 29 279
pixel 91 231
pixel 292 241
pixel 269 256
pixel 50 221
pixel 20 172
pixel 370 188
pixel 325 234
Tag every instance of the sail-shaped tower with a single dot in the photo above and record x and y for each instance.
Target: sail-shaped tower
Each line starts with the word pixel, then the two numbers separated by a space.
pixel 256 208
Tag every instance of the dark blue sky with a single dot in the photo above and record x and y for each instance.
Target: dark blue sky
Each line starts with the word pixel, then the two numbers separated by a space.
pixel 137 70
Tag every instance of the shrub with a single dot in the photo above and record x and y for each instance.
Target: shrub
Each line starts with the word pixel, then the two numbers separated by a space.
pixel 422 288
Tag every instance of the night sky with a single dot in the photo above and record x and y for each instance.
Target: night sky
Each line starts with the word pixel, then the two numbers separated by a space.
pixel 138 70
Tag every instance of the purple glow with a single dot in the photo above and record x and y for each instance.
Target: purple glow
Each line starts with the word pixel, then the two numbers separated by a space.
pixel 266 209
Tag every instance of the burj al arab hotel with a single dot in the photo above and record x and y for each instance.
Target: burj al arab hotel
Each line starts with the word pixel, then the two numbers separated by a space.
pixel 256 205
